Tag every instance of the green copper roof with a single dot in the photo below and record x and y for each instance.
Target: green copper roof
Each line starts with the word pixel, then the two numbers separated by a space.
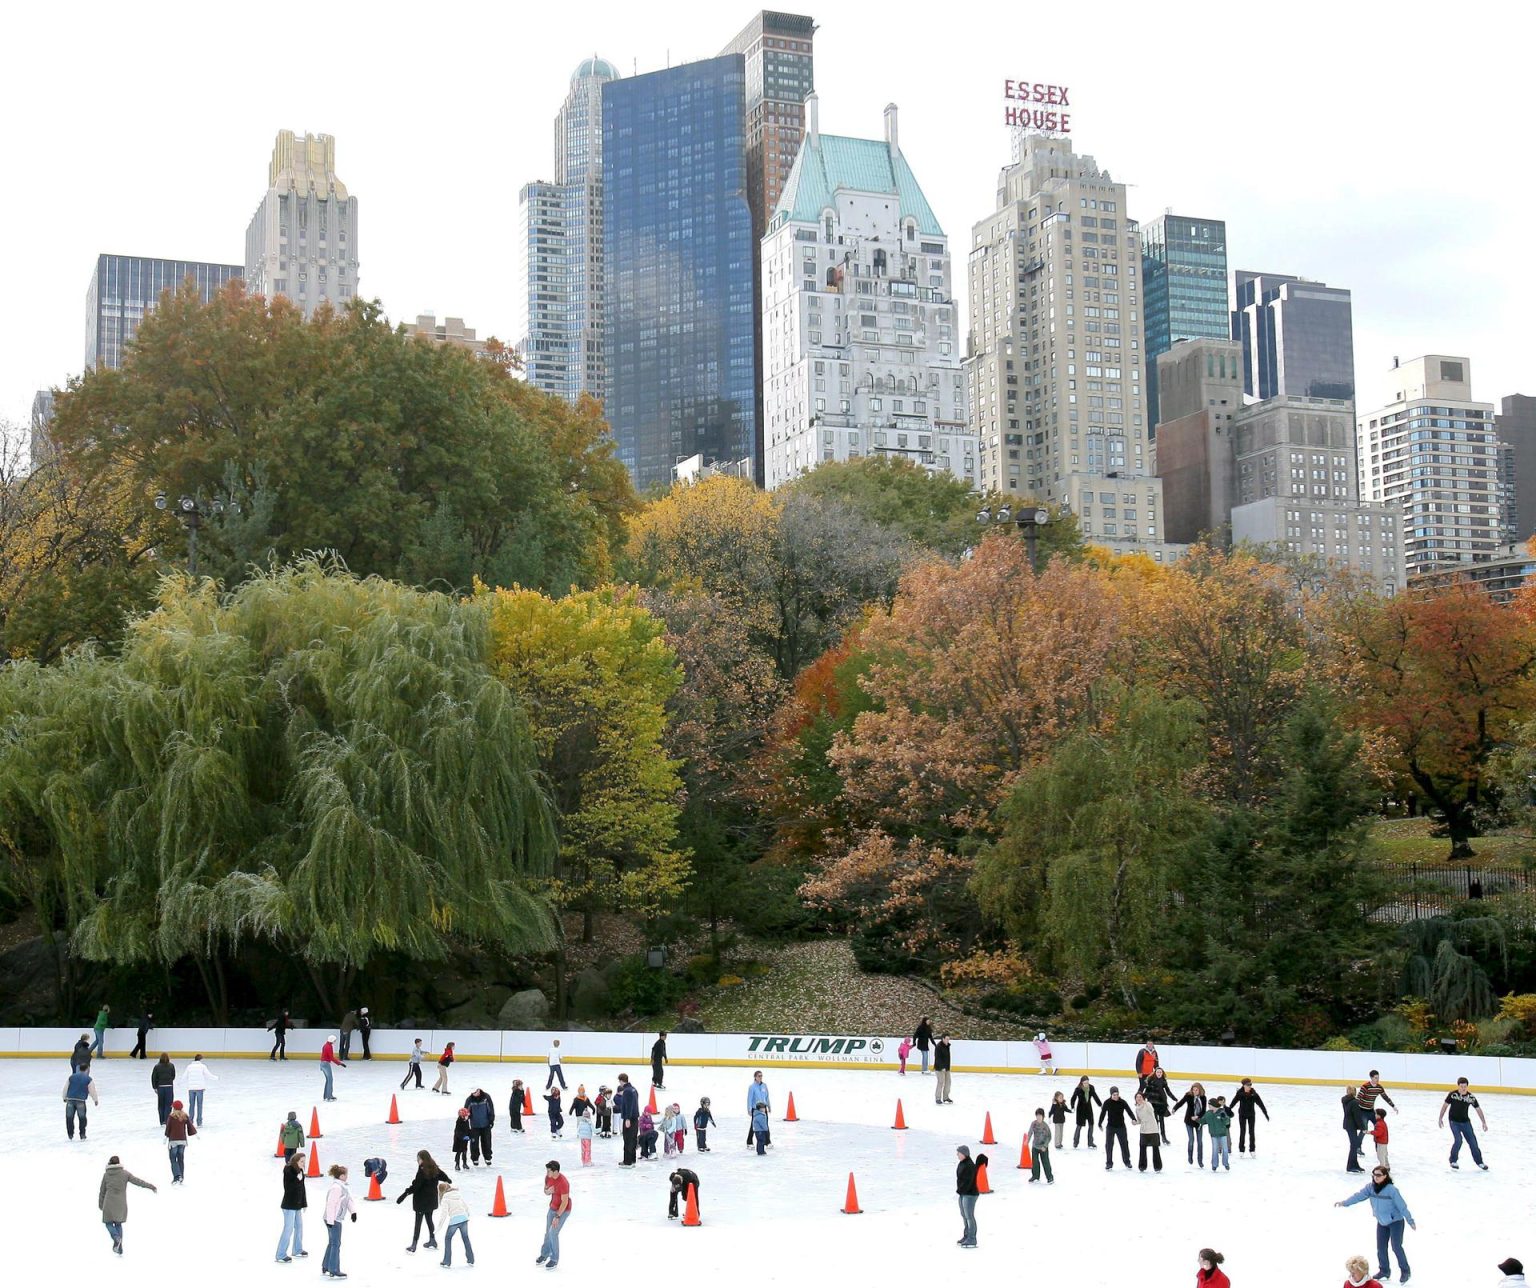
pixel 859 165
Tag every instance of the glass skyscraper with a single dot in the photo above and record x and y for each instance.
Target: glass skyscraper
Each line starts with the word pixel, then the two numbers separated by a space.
pixel 1184 286
pixel 124 288
pixel 1297 336
pixel 678 253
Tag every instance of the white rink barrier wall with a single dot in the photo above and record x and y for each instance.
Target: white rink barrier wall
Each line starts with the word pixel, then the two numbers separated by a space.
pixel 811 1051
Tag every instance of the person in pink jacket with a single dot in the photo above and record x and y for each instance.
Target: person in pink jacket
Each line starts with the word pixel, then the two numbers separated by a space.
pixel 328 1058
pixel 338 1208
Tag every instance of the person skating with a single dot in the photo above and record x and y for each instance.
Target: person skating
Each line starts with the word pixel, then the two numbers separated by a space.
pixel 197 1079
pixel 579 1102
pixel 903 1050
pixel 364 1030
pixel 757 1094
pixel 515 1106
pixel 941 1070
pixel 1217 1120
pixel 1040 1149
pixel 626 1106
pixel 280 1027
pixel 1460 1103
pixel 1208 1271
pixel 1043 1051
pixel 461 1135
pixel 456 1221
pixel 1058 1116
pixel 348 1027
pixel 482 1119
pixel 291 1135
pixel 146 1022
pixel 966 1191
pixel 78 1088
pixel 658 1060
pixel 1354 1127
pixel 1380 1135
pixel 1146 1060
pixel 559 1191
pixel 1113 1115
pixel 290 1243
pixel 556 1069
pixel 1391 1212
pixel 1159 1095
pixel 602 1109
pixel 422 1192
pixel 1358 1272
pixel 556 1114
pixel 413 1065
pixel 1193 1103
pixel 339 1208
pixel 1150 1130
pixel 703 1120
pixel 1513 1270
pixel 585 1130
pixel 647 1137
pixel 1365 1106
pixel 103 1022
pixel 112 1199
pixel 81 1053
pixel 680 1180
pixel 922 1039
pixel 1248 1104
pixel 1084 1097
pixel 674 1127
pixel 444 1062
pixel 162 1081
pixel 179 1128
pixel 329 1061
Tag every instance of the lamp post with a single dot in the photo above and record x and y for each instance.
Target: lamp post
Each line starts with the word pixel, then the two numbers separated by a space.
pixel 192 511
pixel 1029 520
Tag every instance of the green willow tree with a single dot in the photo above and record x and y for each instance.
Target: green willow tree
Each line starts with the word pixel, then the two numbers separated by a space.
pixel 317 762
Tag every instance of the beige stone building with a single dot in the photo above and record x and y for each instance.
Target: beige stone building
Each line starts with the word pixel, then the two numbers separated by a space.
pixel 448 331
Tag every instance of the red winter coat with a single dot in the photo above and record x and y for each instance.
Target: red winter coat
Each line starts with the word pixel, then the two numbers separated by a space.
pixel 1217 1278
pixel 1369 1283
pixel 1146 1061
pixel 328 1054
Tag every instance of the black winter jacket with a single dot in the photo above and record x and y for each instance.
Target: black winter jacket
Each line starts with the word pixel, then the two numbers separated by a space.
pixel 1083 1101
pixel 1193 1106
pixel 423 1190
pixel 295 1198
pixel 1117 1111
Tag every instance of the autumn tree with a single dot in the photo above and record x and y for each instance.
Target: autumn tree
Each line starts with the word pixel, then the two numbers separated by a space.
pixel 932 509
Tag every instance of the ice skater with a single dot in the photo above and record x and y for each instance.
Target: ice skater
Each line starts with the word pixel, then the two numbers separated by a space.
pixel 1391 1212
pixel 966 1190
pixel 78 1088
pixel 279 1029
pixel 559 1190
pixel 556 1114
pixel 443 1063
pixel 413 1065
pixel 1084 1097
pixel 456 1218
pixel 1115 1112
pixel 162 1081
pixel 1193 1103
pixel 626 1104
pixel 81 1053
pixel 584 1133
pixel 1460 1103
pixel 1380 1135
pixel 671 1124
pixel 1358 1270
pixel 197 1079
pixel 579 1102
pixel 103 1021
pixel 179 1128
pixel 1159 1095
pixel 1040 1149
pixel 1058 1116
pixel 922 1039
pixel 422 1192
pixel 941 1070
pixel 515 1106
pixel 556 1070
pixel 1217 1120
pixel 146 1022
pixel 647 1138
pixel 348 1028
pixel 703 1120
pixel 1151 1132
pixel 1513 1270
pixel 602 1109
pixel 482 1121
pixel 1248 1104
pixel 1354 1128
pixel 291 1135
pixel 364 1031
pixel 329 1060
pixel 112 1199
pixel 290 1243
pixel 658 1060
pixel 339 1207
pixel 1208 1271
pixel 1043 1051
pixel 902 1052
pixel 461 1135
pixel 1146 1060
pixel 757 1094
pixel 681 1181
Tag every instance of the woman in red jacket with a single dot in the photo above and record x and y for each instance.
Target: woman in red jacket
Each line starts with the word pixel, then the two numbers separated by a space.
pixel 443 1061
pixel 1210 1274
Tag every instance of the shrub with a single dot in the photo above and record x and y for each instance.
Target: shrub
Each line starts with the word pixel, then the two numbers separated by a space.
pixel 1037 1002
pixel 1519 1009
pixel 767 904
pixel 636 987
pixel 1339 1043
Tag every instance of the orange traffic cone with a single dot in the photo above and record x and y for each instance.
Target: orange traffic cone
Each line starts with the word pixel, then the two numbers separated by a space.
pixel 1025 1162
pixel 851 1203
pixel 982 1187
pixel 901 1122
pixel 279 1151
pixel 691 1211
pixel 375 1194
pixel 314 1164
pixel 528 1101
pixel 394 1112
pixel 791 1116
pixel 651 1107
pixel 987 1138
pixel 314 1123
pixel 499 1207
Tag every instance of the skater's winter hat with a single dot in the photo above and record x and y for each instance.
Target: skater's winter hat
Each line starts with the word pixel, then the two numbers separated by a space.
pixel 1512 1266
pixel 330 1037
pixel 365 1010
pixel 176 1104
pixel 963 1150
pixel 1039 1037
pixel 581 1088
pixel 293 1116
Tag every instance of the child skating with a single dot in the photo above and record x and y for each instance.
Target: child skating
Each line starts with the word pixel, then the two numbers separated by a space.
pixel 515 1105
pixel 1058 1116
pixel 1043 1050
pixel 1040 1149
pixel 703 1120
pixel 1379 1135
pixel 902 1052
pixel 556 1114
pixel 461 1134
pixel 584 1133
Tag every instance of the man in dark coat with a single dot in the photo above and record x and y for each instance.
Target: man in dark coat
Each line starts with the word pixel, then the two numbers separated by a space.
pixel 626 1105
pixel 146 1022
pixel 482 1117
pixel 658 1059
pixel 364 1028
pixel 680 1180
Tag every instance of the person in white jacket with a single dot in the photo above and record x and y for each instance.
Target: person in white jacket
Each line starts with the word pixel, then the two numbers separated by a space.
pixel 196 1081
pixel 555 1071
pixel 1513 1270
pixel 338 1207
pixel 451 1205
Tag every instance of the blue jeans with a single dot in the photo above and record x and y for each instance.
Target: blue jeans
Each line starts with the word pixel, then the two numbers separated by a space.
pixel 72 1109
pixel 923 1051
pixel 968 1216
pixel 550 1252
pixel 1394 1233
pixel 115 1229
pixel 332 1259
pixel 1221 1152
pixel 99 1046
pixel 329 1081
pixel 163 1098
pixel 1462 1133
pixel 346 1046
pixel 195 1106
pixel 178 1150
pixel 293 1232
pixel 1194 1135
pixel 762 1138
pixel 461 1228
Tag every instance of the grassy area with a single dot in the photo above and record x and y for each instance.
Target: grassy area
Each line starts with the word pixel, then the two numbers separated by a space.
pixel 1408 840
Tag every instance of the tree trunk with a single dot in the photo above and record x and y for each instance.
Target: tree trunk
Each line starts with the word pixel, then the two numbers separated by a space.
pixel 221 1010
pixel 322 994
pixel 561 1001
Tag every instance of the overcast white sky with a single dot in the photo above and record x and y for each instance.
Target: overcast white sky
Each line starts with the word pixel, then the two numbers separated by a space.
pixel 1381 147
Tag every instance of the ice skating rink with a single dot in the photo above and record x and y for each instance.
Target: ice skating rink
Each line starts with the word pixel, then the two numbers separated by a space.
pixel 769 1220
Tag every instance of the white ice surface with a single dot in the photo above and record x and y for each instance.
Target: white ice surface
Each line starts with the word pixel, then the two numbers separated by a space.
pixel 770 1220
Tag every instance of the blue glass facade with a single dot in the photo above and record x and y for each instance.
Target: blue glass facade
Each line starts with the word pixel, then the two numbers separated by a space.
pixel 678 254
pixel 1297 336
pixel 126 287
pixel 1184 286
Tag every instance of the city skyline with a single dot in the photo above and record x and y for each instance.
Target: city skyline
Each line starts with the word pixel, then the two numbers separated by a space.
pixel 1326 185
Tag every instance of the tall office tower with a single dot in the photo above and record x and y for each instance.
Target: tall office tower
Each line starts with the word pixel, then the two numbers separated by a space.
pixel 1516 423
pixel 560 242
pixel 1202 389
pixel 1430 450
pixel 1297 336
pixel 1184 284
pixel 302 240
pixel 125 288
pixel 40 448
pixel 677 259
pixel 1055 367
pixel 780 70
pixel 860 355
